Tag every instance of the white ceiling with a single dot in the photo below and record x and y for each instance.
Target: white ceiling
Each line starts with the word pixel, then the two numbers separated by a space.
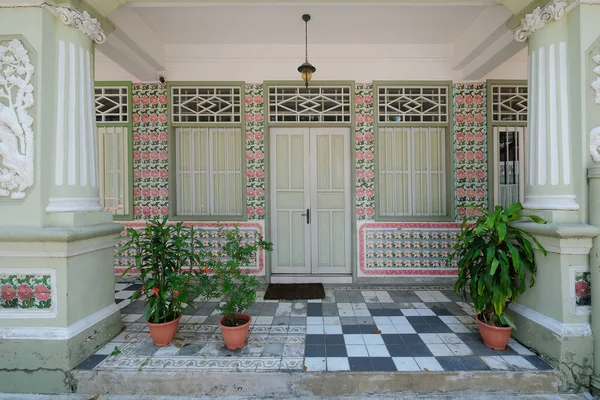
pixel 281 23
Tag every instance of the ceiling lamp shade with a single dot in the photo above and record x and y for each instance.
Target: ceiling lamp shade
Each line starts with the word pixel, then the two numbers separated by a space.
pixel 306 69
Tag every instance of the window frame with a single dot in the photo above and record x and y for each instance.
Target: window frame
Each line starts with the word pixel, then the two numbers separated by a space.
pixel 172 149
pixel 493 172
pixel 129 124
pixel 449 164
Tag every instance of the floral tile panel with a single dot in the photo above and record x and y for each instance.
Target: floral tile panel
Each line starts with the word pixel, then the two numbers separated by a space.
pixel 365 152
pixel 255 152
pixel 25 292
pixel 415 249
pixel 209 237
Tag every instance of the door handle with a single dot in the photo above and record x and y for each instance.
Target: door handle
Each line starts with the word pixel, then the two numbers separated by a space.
pixel 307 215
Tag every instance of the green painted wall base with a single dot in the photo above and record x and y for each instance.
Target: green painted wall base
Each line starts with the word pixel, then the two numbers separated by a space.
pixel 72 269
pixel 43 366
pixel 571 355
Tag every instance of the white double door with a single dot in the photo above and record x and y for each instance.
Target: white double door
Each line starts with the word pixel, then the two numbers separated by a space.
pixel 310 200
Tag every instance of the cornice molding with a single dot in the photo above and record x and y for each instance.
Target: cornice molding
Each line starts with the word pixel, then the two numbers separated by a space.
pixel 538 18
pixel 82 21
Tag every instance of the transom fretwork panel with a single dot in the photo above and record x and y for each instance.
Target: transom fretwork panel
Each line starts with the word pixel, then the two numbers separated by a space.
pixel 312 104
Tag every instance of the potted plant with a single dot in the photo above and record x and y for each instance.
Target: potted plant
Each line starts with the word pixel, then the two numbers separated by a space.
pixel 232 282
pixel 166 256
pixel 496 264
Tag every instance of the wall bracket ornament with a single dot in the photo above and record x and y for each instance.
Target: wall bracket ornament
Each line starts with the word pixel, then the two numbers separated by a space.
pixel 82 21
pixel 595 144
pixel 596 83
pixel 540 16
pixel 16 133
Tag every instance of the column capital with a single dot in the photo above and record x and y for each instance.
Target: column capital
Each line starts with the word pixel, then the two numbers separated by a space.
pixel 82 21
pixel 538 18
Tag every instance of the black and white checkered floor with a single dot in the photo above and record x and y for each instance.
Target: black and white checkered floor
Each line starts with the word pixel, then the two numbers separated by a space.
pixel 353 329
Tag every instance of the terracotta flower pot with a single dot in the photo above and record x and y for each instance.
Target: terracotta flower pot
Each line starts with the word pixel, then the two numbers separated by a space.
pixel 235 336
pixel 164 333
pixel 494 337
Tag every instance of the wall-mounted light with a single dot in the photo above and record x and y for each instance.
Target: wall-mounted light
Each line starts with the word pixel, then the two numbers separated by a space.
pixel 306 69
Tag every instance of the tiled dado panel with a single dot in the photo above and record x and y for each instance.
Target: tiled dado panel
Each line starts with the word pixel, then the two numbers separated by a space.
pixel 150 151
pixel 470 148
pixel 581 290
pixel 365 152
pixel 409 249
pixel 27 294
pixel 208 235
pixel 255 152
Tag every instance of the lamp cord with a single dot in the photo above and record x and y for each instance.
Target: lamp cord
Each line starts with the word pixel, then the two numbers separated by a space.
pixel 306 40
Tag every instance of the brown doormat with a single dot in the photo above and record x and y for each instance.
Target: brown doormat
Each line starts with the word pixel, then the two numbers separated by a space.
pixel 295 291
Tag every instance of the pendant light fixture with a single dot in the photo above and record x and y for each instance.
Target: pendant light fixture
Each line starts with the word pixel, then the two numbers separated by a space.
pixel 306 69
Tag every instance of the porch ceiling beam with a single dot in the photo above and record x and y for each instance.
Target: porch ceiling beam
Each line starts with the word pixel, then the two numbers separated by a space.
pixel 134 46
pixel 480 34
pixel 105 7
pixel 120 53
pixel 493 56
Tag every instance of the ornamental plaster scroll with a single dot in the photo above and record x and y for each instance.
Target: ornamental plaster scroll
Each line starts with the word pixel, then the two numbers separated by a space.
pixel 16 133
pixel 596 83
pixel 83 22
pixel 538 18
pixel 595 144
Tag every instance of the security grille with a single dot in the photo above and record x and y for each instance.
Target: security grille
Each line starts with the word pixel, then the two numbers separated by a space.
pixel 412 171
pixel 206 104
pixel 413 104
pixel 312 104
pixel 509 103
pixel 209 171
pixel 112 103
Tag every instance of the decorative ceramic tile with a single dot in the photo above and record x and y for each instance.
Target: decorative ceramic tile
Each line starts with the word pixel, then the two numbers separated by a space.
pixel 150 151
pixel 210 239
pixel 470 146
pixel 255 152
pixel 365 152
pixel 26 293
pixel 581 293
pixel 406 248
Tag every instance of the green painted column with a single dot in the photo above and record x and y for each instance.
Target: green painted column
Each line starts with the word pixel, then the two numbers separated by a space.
pixel 555 316
pixel 591 127
pixel 56 242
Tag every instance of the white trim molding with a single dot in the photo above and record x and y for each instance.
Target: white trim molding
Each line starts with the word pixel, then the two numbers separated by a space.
pixel 551 202
pixel 53 333
pixel 57 254
pixel 82 21
pixel 596 83
pixel 558 328
pixel 73 204
pixel 538 18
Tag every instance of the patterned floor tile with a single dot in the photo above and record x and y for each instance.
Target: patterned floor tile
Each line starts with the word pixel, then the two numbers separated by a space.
pixel 353 329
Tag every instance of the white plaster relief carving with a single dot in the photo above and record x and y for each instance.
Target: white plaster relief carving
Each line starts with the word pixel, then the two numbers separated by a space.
pixel 596 83
pixel 595 144
pixel 539 17
pixel 82 22
pixel 16 133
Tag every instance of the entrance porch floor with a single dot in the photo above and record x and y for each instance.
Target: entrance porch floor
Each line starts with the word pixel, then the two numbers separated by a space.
pixel 367 328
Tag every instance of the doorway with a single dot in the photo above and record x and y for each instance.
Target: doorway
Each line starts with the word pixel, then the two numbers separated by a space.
pixel 310 200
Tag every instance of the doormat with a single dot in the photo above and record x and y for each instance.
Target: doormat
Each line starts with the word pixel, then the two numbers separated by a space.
pixel 295 291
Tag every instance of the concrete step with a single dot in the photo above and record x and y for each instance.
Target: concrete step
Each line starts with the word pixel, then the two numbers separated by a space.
pixel 283 384
pixel 478 396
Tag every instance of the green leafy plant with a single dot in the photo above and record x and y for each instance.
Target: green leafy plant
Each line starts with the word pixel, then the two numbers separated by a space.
pixel 496 262
pixel 230 279
pixel 167 257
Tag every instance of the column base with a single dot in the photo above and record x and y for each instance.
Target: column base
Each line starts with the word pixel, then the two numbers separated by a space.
pixel 57 306
pixel 57 352
pixel 567 347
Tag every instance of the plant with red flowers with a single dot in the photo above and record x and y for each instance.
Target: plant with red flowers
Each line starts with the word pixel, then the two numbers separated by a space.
pixel 167 257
